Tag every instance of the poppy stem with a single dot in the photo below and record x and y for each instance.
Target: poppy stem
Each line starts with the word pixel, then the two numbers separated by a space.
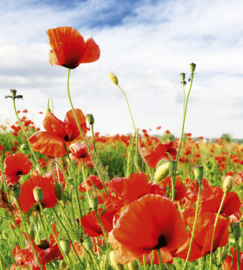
pixel 103 229
pixel 238 254
pixel 152 260
pixel 32 246
pixel 67 235
pixel 66 217
pixel 214 229
pixel 144 262
pixel 232 261
pixel 181 138
pixel 52 106
pixel 100 164
pixel 33 154
pixel 80 130
pixel 150 173
pixel 194 225
pixel 43 225
pixel 85 182
pixel 160 260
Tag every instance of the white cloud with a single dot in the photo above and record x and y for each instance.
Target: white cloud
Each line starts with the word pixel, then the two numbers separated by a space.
pixel 147 52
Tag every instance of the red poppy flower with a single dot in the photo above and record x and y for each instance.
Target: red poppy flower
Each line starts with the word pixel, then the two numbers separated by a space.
pixel 27 199
pixel 69 48
pixel 161 151
pixel 51 142
pixel 149 229
pixel 58 174
pixel 91 179
pixel 79 249
pixel 80 153
pixel 14 166
pixel 227 262
pixel 203 236
pixel 46 252
pixel 239 178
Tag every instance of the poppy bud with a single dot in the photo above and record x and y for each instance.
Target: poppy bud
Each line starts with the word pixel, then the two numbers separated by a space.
pixel 58 191
pixel 115 263
pixel 198 172
pixel 38 194
pixel 133 265
pixel 94 202
pixel 64 243
pixel 192 67
pixel 228 184
pixel 87 243
pixel 113 78
pixel 90 119
pixel 5 235
pixel 172 166
pixel 162 172
pixel 138 162
pixel 236 230
pixel 13 92
pixel 16 192
pixel 183 76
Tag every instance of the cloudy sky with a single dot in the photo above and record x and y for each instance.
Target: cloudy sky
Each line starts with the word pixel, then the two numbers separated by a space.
pixel 147 44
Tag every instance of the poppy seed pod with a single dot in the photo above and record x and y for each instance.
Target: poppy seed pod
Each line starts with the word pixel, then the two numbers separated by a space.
pixel 38 194
pixel 133 265
pixel 162 172
pixel 228 184
pixel 198 172
pixel 64 243
pixel 138 162
pixel 90 119
pixel 94 202
pixel 23 147
pixel 113 78
pixel 183 76
pixel 192 67
pixel 115 263
pixel 87 243
pixel 236 230
pixel 58 191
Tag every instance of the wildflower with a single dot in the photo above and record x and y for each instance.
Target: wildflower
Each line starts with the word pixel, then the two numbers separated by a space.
pixel 227 262
pixel 79 153
pixel 90 181
pixel 27 199
pixel 51 142
pixel 161 151
pixel 160 230
pixel 15 165
pixel 69 48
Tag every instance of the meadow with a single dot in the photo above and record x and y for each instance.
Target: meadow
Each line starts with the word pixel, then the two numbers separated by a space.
pixel 73 199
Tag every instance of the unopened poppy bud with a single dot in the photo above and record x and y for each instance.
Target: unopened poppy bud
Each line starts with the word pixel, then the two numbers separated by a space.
pixel 5 235
pixel 138 161
pixel 133 265
pixel 58 191
pixel 228 184
pixel 87 243
pixel 38 194
pixel 113 78
pixel 198 172
pixel 183 76
pixel 162 172
pixel 64 243
pixel 115 263
pixel 90 119
pixel 192 67
pixel 16 192
pixel 236 230
pixel 13 92
pixel 94 202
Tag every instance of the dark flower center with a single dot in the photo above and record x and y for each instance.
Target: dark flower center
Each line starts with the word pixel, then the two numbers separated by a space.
pixel 66 138
pixel 161 242
pixel 43 244
pixel 19 173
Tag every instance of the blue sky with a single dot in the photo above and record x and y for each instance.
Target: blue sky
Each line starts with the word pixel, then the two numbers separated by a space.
pixel 147 44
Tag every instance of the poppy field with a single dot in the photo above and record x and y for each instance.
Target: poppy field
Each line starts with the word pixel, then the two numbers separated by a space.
pixel 73 199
